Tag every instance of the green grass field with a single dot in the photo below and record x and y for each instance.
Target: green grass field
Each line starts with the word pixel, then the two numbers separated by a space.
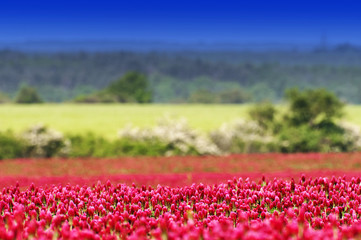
pixel 107 119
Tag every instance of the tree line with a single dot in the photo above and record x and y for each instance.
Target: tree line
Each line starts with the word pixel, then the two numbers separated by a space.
pixel 184 76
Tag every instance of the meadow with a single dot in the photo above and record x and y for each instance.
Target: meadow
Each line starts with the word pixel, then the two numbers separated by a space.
pixel 107 119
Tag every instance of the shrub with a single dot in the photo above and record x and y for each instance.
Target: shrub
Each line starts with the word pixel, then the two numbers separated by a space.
pixel 309 124
pixel 351 136
pixel 175 134
pixel 299 139
pixel 130 147
pixel 264 114
pixel 132 87
pixel 89 145
pixel 10 146
pixel 242 136
pixel 27 94
pixel 344 137
pixel 95 146
pixel 312 106
pixel 43 142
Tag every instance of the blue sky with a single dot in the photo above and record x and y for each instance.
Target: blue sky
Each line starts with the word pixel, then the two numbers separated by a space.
pixel 182 21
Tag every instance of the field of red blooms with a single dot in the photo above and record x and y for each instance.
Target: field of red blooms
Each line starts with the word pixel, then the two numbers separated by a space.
pixel 259 196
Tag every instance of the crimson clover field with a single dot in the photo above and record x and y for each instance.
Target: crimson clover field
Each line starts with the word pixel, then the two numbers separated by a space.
pixel 255 196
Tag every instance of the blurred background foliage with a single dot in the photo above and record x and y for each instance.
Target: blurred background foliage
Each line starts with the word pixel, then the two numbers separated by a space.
pixel 182 76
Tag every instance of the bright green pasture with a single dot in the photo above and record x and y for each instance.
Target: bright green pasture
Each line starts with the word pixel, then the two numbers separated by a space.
pixel 353 114
pixel 107 119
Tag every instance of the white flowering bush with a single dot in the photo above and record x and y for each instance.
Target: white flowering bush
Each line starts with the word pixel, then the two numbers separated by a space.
pixel 40 141
pixel 352 135
pixel 241 136
pixel 176 134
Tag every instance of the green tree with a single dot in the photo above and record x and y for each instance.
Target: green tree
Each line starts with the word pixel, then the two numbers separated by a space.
pixel 312 107
pixel 27 94
pixel 264 115
pixel 132 87
pixel 308 125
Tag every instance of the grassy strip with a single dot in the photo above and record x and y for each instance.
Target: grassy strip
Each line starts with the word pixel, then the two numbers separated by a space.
pixel 106 119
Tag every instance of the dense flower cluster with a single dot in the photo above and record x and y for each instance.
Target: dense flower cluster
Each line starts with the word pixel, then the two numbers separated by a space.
pixel 309 208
